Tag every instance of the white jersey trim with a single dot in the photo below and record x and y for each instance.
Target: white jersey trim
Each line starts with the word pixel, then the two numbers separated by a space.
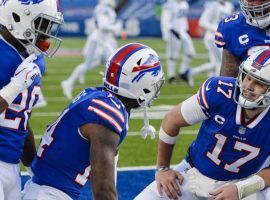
pixel 192 111
pixel 255 122
pixel 82 135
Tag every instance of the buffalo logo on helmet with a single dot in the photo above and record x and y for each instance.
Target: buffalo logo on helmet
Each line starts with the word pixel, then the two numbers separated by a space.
pixel 3 2
pixel 150 65
pixel 27 2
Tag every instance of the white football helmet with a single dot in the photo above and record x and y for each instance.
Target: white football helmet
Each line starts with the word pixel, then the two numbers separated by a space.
pixel 256 66
pixel 111 3
pixel 134 71
pixel 32 22
pixel 257 12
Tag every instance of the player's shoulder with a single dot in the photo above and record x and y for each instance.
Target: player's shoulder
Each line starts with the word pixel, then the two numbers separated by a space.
pixel 101 99
pixel 233 22
pixel 216 91
pixel 41 63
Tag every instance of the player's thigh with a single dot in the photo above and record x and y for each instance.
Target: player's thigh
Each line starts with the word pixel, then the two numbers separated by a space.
pixel 151 192
pixel 173 46
pixel 266 193
pixel 187 44
pixel 34 191
pixel 10 181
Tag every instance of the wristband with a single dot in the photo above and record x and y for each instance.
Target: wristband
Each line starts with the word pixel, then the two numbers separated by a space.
pixel 166 138
pixel 162 168
pixel 249 186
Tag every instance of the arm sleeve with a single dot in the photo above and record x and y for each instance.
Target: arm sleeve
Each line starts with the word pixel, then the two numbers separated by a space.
pixel 192 111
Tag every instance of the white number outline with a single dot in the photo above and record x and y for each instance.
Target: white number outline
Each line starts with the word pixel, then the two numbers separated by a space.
pixel 239 146
pixel 48 138
pixel 227 94
pixel 14 123
pixel 232 18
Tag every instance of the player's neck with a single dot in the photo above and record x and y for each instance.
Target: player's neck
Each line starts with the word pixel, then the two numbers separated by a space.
pixel 11 40
pixel 250 114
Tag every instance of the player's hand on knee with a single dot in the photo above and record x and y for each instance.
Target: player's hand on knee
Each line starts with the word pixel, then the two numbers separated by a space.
pixel 27 72
pixel 169 181
pixel 227 192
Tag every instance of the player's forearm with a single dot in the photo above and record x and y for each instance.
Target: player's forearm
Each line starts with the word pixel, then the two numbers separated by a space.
pixel 29 149
pixel 265 174
pixel 230 64
pixel 164 154
pixel 105 192
pixel 3 104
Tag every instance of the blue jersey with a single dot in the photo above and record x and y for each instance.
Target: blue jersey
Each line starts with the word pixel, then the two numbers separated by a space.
pixel 63 158
pixel 227 146
pixel 14 119
pixel 239 37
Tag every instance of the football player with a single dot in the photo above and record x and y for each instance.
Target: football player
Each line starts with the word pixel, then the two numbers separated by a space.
pixel 243 33
pixel 25 35
pixel 100 44
pixel 213 12
pixel 82 142
pixel 174 26
pixel 231 148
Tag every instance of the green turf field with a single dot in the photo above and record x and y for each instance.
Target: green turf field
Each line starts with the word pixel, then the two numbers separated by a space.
pixel 134 151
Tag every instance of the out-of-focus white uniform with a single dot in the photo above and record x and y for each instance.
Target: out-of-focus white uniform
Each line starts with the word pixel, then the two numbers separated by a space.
pixel 174 26
pixel 100 44
pixel 213 12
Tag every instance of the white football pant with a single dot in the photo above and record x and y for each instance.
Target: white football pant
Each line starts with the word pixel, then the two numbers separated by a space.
pixel 10 181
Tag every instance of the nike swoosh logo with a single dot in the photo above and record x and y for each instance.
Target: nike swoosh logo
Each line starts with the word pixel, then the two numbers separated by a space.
pixel 19 72
pixel 117 105
pixel 207 86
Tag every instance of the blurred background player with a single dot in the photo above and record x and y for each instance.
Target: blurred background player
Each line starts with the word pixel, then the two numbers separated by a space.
pixel 213 12
pixel 174 26
pixel 100 44
pixel 25 36
pixel 93 126
pixel 243 33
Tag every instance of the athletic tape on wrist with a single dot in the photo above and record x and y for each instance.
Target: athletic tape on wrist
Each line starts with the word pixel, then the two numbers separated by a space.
pixel 11 91
pixel 166 138
pixel 249 186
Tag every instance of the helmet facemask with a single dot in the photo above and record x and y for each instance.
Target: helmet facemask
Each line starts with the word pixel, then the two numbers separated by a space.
pixel 33 24
pixel 45 28
pixel 244 97
pixel 258 15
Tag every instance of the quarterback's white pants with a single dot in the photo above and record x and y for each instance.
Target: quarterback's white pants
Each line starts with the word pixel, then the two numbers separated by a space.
pixel 10 181
pixel 197 192
pixel 33 191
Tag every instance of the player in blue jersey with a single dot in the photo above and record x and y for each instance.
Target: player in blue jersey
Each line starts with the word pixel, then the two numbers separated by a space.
pixel 243 33
pixel 25 27
pixel 82 143
pixel 232 146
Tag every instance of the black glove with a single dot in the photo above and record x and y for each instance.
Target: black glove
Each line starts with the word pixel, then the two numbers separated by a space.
pixel 177 35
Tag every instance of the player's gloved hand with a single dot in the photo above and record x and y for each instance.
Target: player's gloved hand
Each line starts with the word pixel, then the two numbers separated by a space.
pixel 27 72
pixel 177 35
pixel 24 76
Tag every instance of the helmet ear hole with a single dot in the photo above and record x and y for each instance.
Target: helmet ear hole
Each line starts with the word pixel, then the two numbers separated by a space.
pixel 16 17
pixel 146 91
